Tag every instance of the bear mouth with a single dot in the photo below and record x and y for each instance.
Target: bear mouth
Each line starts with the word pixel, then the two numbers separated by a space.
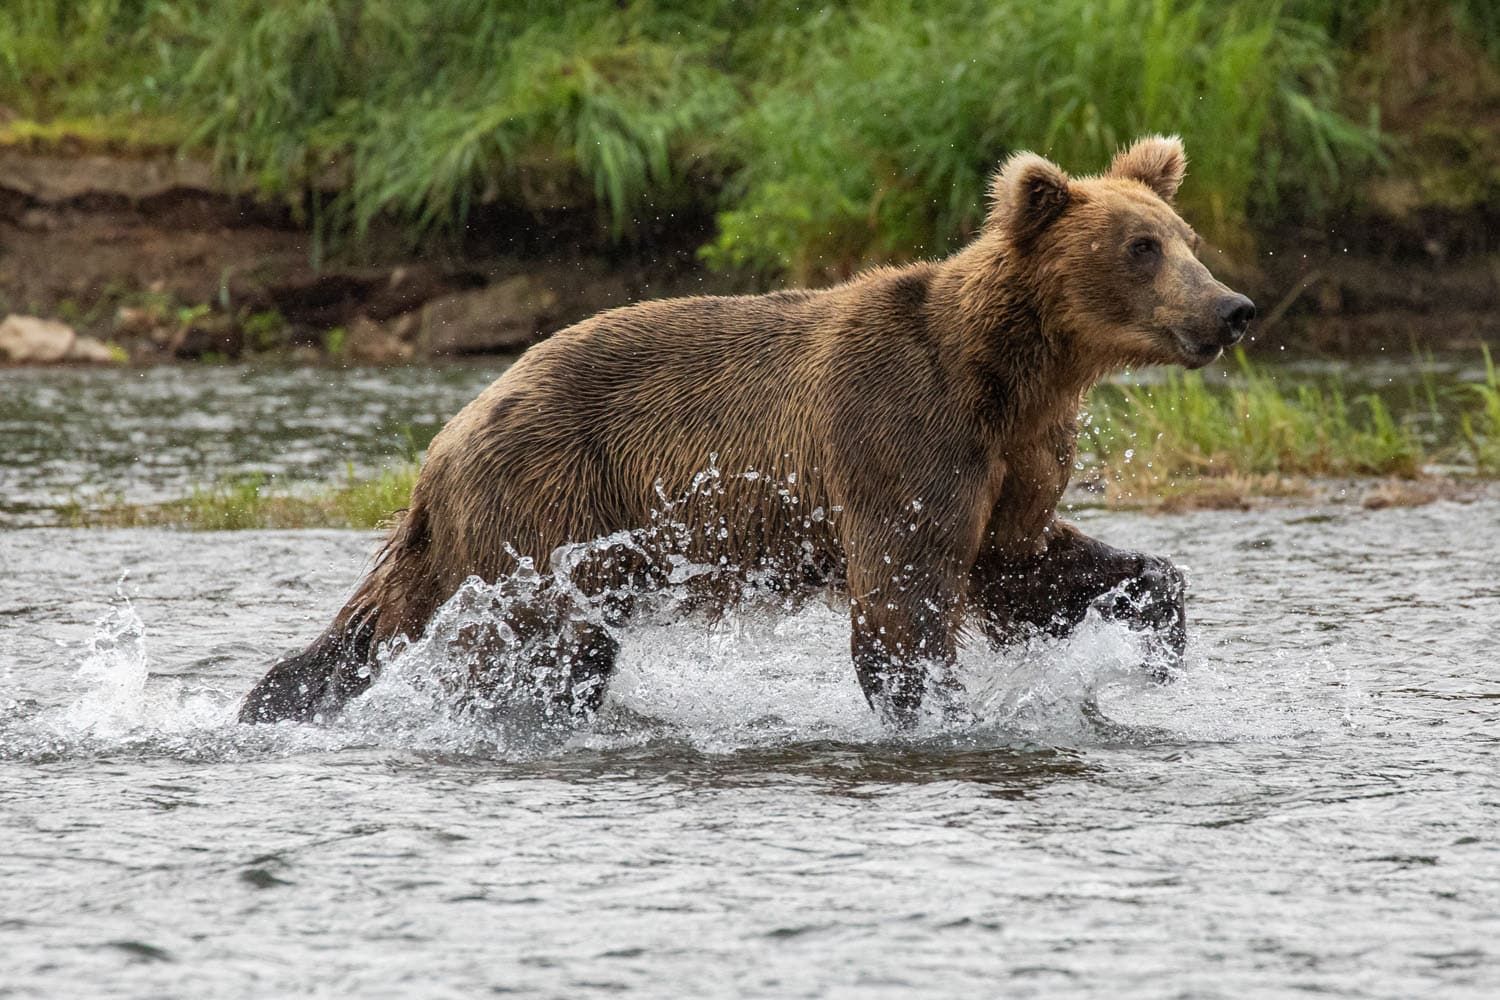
pixel 1197 353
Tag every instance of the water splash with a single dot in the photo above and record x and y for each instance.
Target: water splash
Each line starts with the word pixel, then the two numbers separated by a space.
pixel 114 667
pixel 124 708
pixel 122 701
pixel 772 672
pixel 769 672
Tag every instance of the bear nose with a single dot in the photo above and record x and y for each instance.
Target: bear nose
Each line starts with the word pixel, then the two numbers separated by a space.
pixel 1235 313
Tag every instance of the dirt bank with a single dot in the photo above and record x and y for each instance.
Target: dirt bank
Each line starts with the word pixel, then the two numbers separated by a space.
pixel 149 253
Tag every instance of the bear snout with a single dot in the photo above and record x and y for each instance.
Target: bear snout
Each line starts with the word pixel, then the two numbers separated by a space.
pixel 1235 313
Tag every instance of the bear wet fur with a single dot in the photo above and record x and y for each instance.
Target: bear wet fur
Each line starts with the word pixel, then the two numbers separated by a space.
pixel 925 413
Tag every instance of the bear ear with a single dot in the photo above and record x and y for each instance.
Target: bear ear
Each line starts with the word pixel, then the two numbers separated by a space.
pixel 1028 193
pixel 1157 161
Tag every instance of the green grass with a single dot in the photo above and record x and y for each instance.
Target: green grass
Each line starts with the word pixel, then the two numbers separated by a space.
pixel 368 503
pixel 1254 431
pixel 1185 433
pixel 1481 426
pixel 827 135
pixel 245 502
pixel 903 115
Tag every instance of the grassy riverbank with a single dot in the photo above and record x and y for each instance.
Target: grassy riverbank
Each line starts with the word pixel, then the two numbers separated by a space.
pixel 249 502
pixel 823 136
pixel 1192 439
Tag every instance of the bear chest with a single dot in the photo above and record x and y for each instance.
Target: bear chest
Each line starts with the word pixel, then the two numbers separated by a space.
pixel 1036 474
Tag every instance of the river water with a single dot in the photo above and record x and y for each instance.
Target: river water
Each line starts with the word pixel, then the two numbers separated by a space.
pixel 1311 806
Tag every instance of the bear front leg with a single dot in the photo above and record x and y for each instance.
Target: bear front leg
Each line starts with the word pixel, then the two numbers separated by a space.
pixel 1055 589
pixel 894 646
pixel 906 607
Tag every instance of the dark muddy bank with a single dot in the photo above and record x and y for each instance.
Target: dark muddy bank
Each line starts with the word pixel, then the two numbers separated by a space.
pixel 153 256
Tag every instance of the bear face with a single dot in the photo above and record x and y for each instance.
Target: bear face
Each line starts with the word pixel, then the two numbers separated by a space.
pixel 1114 267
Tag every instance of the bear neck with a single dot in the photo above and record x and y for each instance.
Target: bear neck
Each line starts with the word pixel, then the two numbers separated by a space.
pixel 1017 359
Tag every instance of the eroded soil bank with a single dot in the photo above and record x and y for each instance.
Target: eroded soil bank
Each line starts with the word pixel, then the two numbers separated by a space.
pixel 151 255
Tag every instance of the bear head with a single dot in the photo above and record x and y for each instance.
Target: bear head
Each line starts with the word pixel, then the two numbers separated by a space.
pixel 1113 267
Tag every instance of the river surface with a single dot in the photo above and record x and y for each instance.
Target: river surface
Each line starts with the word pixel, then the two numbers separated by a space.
pixel 87 436
pixel 1311 806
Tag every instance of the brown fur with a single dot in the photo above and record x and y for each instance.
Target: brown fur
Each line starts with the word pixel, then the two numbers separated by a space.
pixel 927 410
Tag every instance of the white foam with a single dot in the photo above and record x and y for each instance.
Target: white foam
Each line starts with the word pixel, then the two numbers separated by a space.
pixel 761 675
pixel 119 701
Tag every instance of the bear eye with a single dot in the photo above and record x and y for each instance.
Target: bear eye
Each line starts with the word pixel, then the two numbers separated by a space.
pixel 1144 247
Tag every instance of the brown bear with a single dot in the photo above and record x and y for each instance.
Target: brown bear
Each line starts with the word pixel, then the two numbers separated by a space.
pixel 903 438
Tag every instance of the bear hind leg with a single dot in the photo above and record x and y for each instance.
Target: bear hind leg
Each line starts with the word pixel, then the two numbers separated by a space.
pixel 588 659
pixel 557 669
